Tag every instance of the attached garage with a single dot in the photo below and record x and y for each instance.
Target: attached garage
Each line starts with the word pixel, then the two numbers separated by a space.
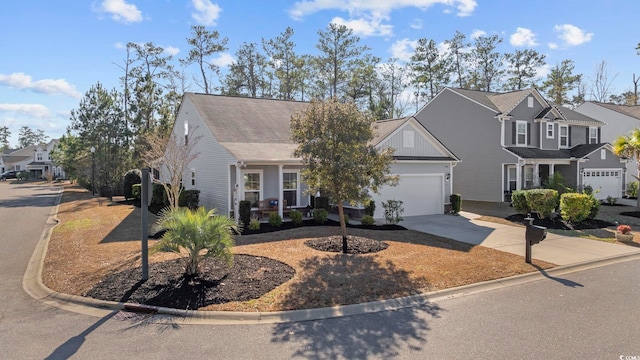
pixel 421 194
pixel 604 182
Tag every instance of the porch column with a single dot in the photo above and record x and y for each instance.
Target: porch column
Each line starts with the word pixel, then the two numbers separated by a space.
pixel 280 191
pixel 551 169
pixel 536 175
pixel 518 176
pixel 236 193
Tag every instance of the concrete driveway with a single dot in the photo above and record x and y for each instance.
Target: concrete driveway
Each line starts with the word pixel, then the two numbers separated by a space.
pixel 556 249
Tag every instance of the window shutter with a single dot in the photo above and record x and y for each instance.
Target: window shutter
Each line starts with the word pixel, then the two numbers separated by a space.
pixel 569 140
pixel 599 133
pixel 587 139
pixel 528 133
pixel 513 133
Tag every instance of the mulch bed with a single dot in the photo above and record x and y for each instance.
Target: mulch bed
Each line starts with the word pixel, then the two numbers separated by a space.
pixel 355 244
pixel 250 277
pixel 635 214
pixel 559 224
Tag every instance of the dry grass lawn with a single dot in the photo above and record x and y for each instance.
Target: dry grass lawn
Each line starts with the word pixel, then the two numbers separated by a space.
pixel 95 238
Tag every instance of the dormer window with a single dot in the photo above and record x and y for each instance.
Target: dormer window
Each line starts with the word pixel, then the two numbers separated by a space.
pixel 530 101
pixel 550 129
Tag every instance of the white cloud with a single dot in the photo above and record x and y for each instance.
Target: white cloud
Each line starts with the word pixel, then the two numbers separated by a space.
pixel 35 110
pixel 363 27
pixel 303 8
pixel 223 60
pixel 552 45
pixel 121 11
pixel 403 49
pixel 572 35
pixel 206 13
pixel 170 50
pixel 523 37
pixel 45 86
pixel 478 33
pixel 416 24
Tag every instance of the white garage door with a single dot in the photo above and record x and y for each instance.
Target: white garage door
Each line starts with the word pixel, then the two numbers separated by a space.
pixel 421 195
pixel 605 182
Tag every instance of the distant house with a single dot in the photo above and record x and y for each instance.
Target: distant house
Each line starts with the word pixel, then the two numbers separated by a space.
pixel 517 140
pixel 245 153
pixel 620 119
pixel 35 159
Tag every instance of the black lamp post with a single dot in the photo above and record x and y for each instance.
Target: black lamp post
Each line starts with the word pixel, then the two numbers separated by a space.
pixel 93 170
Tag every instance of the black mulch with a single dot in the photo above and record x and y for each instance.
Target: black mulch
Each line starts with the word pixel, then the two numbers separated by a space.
pixel 355 244
pixel 266 228
pixel 635 214
pixel 559 224
pixel 248 278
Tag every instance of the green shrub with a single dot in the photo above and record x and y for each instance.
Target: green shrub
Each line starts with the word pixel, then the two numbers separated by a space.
pixel 595 207
pixel 556 182
pixel 632 189
pixel 575 207
pixel 244 211
pixel 541 201
pixel 296 217
pixel 320 216
pixel 322 202
pixel 393 210
pixel 136 191
pixel 612 200
pixel 189 199
pixel 370 208
pixel 254 224
pixel 130 178
pixel 367 220
pixel 275 219
pixel 456 202
pixel 159 196
pixel 519 202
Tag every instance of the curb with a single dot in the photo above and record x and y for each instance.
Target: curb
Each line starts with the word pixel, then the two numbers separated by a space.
pixel 33 285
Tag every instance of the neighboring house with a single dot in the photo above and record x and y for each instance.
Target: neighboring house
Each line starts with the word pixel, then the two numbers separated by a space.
pixel 245 153
pixel 35 159
pixel 620 119
pixel 517 140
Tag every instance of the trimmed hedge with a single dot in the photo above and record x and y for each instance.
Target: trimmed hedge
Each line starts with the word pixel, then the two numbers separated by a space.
pixel 275 219
pixel 296 217
pixel 189 199
pixel 519 202
pixel 322 202
pixel 129 179
pixel 541 201
pixel 575 207
pixel 370 208
pixel 456 202
pixel 367 220
pixel 244 210
pixel 320 216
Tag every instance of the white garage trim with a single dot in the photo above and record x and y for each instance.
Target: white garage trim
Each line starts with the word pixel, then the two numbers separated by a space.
pixel 605 182
pixel 419 198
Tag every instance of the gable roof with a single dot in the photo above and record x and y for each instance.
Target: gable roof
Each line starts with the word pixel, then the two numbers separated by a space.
pixel 258 130
pixel 504 103
pixel 632 111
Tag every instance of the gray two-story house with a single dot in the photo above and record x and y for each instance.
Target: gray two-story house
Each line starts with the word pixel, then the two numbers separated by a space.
pixel 517 140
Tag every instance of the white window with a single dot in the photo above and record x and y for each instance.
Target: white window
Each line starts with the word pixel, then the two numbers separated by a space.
pixel 408 138
pixel 528 176
pixel 252 191
pixel 521 133
pixel 290 188
pixel 193 178
pixel 39 156
pixel 593 135
pixel 550 128
pixel 186 132
pixel 530 101
pixel 512 178
pixel 603 154
pixel 564 136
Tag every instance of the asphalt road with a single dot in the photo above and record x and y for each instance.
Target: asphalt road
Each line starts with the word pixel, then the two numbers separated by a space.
pixel 591 314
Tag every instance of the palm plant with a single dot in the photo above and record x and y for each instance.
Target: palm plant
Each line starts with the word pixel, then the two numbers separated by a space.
pixel 200 233
pixel 629 146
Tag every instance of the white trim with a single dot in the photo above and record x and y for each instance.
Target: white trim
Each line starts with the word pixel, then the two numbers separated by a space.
pixel 519 122
pixel 560 127
pixel 591 137
pixel 241 182
pixel 297 190
pixel 553 128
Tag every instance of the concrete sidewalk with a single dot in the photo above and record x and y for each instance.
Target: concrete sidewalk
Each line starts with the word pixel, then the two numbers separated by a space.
pixel 556 249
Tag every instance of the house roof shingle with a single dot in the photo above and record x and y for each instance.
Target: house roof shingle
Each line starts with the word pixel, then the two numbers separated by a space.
pixel 632 111
pixel 576 152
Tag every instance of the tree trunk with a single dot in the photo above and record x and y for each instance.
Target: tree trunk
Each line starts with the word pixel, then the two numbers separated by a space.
pixel 343 227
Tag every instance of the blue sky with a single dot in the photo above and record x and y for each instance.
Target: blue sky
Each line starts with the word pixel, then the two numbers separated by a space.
pixel 53 51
